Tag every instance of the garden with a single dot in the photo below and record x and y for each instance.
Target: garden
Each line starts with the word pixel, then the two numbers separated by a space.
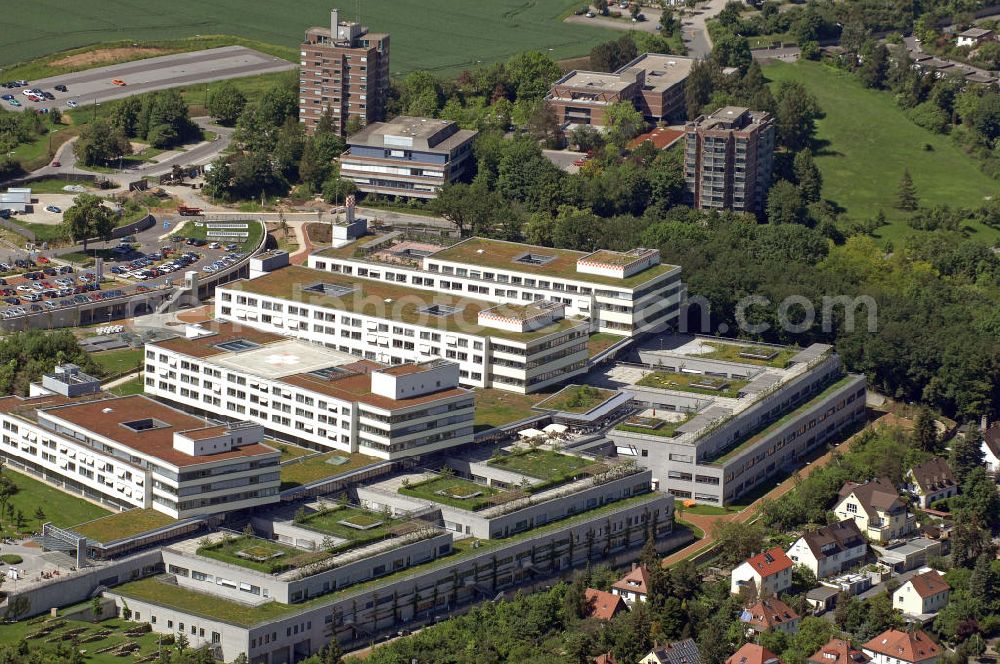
pixel 453 491
pixel 258 554
pixel 540 463
pixel 696 383
pixel 353 524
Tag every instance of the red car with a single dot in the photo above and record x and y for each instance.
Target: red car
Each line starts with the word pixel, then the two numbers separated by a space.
pixel 55 164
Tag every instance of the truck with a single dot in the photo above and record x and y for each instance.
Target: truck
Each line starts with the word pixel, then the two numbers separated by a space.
pixel 186 211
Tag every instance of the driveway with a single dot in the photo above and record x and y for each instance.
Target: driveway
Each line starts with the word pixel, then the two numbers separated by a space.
pixel 624 23
pixel 693 29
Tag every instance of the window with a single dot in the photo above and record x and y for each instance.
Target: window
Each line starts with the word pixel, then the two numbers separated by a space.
pixel 852 508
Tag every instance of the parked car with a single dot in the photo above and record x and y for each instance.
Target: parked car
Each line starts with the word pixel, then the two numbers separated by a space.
pixel 61 88
pixel 117 81
pixel 53 208
pixel 72 103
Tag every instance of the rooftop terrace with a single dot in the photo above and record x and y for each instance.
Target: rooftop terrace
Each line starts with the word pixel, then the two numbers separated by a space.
pixel 156 591
pixel 576 399
pixel 389 301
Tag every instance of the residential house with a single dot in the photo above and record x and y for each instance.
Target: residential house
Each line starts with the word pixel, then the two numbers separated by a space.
pixel 895 647
pixel 923 594
pixel 931 481
pixel 877 508
pixel 991 448
pixel 771 615
pixel 751 653
pixel 770 573
pixel 634 586
pixel 838 651
pixel 830 549
pixel 602 605
pixel 974 37
pixel 679 652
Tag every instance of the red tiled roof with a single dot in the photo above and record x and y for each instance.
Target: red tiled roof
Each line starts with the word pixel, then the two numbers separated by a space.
pixel 767 614
pixel 909 647
pixel 929 583
pixel 602 605
pixel 838 651
pixel 770 562
pixel 661 137
pixel 636 581
pixel 751 653
pixel 606 658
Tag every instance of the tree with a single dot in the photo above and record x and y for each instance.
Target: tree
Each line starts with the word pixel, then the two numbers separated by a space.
pixel 531 74
pixel 97 607
pixel 40 515
pixel 966 454
pixel 225 104
pixel 874 66
pixel 88 217
pixel 737 541
pixel 797 111
pixel 613 55
pixel 925 435
pixel 668 22
pixel 698 87
pixel 807 176
pixel 785 204
pixel 7 491
pixel 99 143
pixel 336 190
pixel 906 193
pixel 732 51
pixel 624 122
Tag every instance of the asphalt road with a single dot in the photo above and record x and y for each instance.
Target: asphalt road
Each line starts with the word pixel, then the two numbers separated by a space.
pixel 165 71
pixel 695 33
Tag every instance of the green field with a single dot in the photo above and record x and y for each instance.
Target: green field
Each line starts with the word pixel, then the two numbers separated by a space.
pixel 444 35
pixel 117 362
pixel 868 141
pixel 62 509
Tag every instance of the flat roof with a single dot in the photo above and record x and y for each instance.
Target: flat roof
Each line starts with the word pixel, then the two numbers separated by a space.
pixel 499 254
pixel 387 301
pixel 428 134
pixel 662 71
pixel 596 81
pixel 208 345
pixel 283 358
pixel 358 387
pixel 106 418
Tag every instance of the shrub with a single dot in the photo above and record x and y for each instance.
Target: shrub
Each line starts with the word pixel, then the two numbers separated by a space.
pixel 12 559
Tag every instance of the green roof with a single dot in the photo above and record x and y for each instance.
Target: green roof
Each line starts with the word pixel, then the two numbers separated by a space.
pixel 576 399
pixel 501 255
pixel 123 524
pixel 389 301
pixel 212 607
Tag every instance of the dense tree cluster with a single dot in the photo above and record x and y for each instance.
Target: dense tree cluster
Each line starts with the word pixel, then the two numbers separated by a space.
pixel 159 118
pixel 273 154
pixel 25 356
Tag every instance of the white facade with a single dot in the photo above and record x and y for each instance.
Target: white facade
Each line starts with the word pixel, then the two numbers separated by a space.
pixel 771 585
pixel 616 309
pixel 487 357
pixel 826 565
pixel 169 478
pixel 914 598
pixel 386 414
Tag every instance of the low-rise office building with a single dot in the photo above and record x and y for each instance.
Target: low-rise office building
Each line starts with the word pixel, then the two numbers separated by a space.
pixel 310 394
pixel 133 452
pixel 653 83
pixel 516 347
pixel 623 293
pixel 407 156
pixel 715 419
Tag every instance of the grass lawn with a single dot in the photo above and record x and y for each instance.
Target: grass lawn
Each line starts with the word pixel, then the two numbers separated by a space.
pixel 867 141
pixel 495 407
pixel 289 451
pixel 16 632
pixel 456 492
pixel 697 383
pixel 739 353
pixel 62 509
pixel 543 464
pixel 653 426
pixel 212 607
pixel 576 399
pixel 426 34
pixel 371 526
pixel 53 233
pixel 262 555
pixel 316 468
pixel 55 186
pixel 122 524
pixel 200 232
pixel 134 386
pixel 39 152
pixel 601 341
pixel 117 362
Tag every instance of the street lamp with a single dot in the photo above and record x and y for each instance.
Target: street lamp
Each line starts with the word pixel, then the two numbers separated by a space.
pixel 95 109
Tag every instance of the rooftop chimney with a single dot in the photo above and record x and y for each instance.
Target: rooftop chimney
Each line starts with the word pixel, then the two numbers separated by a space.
pixel 334 22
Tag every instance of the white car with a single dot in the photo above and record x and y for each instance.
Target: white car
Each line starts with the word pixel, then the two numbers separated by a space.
pixel 72 103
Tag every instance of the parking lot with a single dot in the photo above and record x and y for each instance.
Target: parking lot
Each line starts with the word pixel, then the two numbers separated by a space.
pixel 45 287
pixel 154 266
pixel 93 86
